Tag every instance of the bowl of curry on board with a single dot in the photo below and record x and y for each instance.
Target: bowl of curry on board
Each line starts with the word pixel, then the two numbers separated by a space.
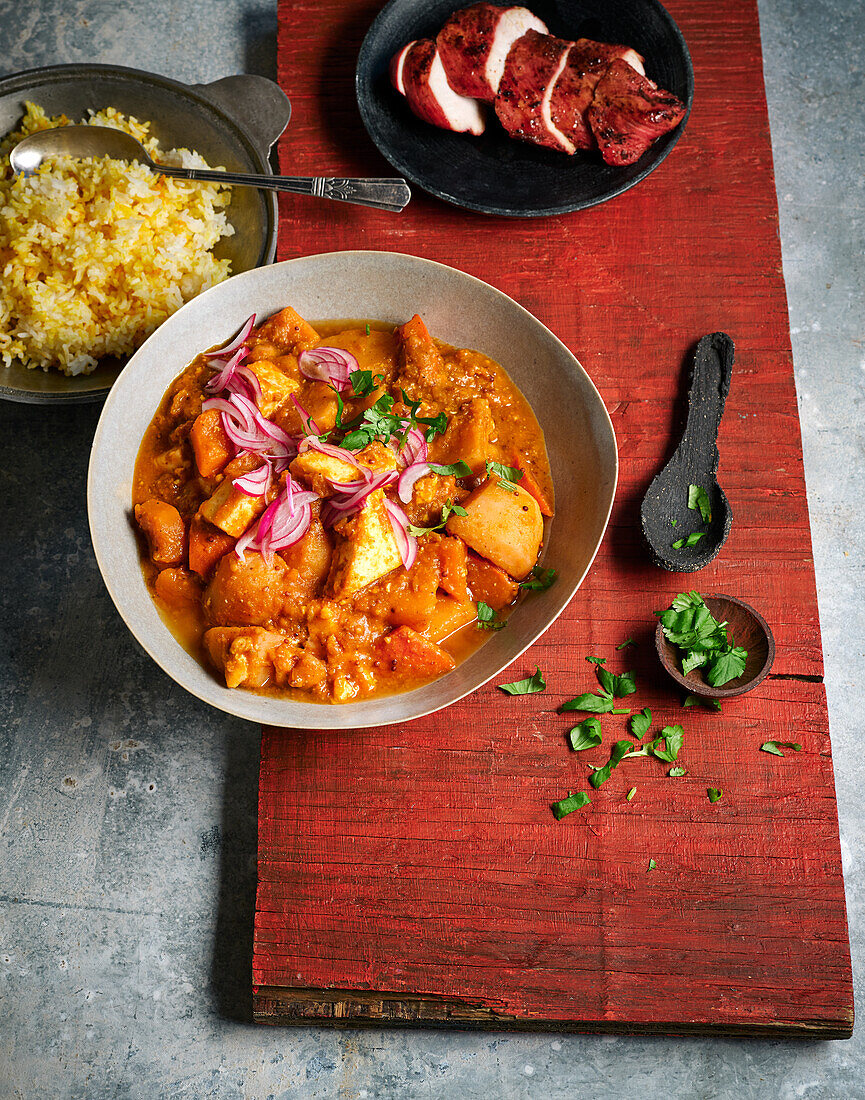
pixel 318 491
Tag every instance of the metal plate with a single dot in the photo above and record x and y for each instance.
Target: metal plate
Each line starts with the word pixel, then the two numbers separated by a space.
pixel 232 123
pixel 495 174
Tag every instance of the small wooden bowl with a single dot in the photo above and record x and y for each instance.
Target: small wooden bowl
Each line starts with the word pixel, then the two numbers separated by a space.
pixel 747 627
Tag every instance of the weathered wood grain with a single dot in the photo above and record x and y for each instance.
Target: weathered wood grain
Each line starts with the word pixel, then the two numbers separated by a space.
pixel 415 876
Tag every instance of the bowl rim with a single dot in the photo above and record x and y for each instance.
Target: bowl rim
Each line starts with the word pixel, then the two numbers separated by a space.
pixel 253 136
pixel 700 687
pixel 253 706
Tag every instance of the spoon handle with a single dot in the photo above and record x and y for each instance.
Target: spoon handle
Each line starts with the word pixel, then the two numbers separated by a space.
pixel 710 384
pixel 384 194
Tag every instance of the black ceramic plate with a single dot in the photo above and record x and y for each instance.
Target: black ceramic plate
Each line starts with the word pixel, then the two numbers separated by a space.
pixel 493 173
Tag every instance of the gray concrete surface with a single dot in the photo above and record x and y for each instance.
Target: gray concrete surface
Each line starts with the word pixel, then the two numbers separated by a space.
pixel 127 809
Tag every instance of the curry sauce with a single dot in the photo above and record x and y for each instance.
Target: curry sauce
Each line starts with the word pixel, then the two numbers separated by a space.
pixel 339 510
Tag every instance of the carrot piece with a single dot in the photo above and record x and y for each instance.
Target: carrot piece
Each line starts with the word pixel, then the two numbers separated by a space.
pixel 165 531
pixel 404 652
pixel 207 544
pixel 177 588
pixel 490 584
pixel 288 330
pixel 452 560
pixel 210 445
pixel 527 482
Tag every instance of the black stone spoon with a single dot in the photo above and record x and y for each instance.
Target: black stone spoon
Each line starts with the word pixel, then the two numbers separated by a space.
pixel 665 514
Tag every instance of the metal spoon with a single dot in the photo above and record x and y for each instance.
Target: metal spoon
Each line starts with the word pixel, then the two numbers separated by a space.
pixel 665 515
pixel 103 141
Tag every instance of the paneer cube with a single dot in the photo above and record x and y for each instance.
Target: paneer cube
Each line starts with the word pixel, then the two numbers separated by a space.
pixel 503 523
pixel 366 549
pixel 317 470
pixel 230 509
pixel 276 387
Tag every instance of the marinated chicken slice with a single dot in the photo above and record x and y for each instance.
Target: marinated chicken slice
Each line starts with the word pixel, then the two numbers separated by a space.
pixel 417 73
pixel 629 112
pixel 475 42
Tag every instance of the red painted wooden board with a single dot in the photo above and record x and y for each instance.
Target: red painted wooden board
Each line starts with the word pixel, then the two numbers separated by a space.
pixel 416 875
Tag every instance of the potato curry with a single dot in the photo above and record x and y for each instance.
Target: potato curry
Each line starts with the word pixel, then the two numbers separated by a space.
pixel 338 511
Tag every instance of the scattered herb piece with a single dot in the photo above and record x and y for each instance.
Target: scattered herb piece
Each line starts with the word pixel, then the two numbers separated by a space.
pixel 367 330
pixel 507 475
pixel 595 704
pixel 585 735
pixel 568 805
pixel 597 660
pixel 775 747
pixel 631 793
pixel 437 424
pixel 448 510
pixel 618 753
pixel 691 540
pixel 529 686
pixel 674 523
pixel 639 723
pixel 625 644
pixel 673 736
pixel 487 617
pixel 699 499
pixel 539 579
pixel 675 773
pixel 715 794
pixel 363 382
pixel 652 865
pixel 455 469
pixel 618 686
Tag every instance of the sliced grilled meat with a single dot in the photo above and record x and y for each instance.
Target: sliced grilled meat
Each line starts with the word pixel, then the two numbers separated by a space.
pixel 475 42
pixel 533 66
pixel 629 112
pixel 416 72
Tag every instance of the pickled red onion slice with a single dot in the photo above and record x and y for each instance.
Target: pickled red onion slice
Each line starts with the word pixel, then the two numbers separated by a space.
pixel 309 425
pixel 331 365
pixel 232 346
pixel 415 447
pixel 406 543
pixel 410 475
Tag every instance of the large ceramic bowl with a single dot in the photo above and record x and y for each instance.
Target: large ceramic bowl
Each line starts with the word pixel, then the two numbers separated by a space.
pixel 383 286
pixel 232 122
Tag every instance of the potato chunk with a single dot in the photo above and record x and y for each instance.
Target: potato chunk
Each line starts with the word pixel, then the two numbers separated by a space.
pixel 249 592
pixel 164 529
pixel 244 654
pixel 502 524
pixel 366 549
pixel 470 436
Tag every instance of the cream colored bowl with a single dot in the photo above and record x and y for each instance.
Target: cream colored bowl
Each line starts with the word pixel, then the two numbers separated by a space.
pixel 389 287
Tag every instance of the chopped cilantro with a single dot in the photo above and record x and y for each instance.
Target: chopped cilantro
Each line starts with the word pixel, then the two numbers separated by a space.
pixel 531 684
pixel 507 475
pixel 674 523
pixel 618 753
pixel 639 723
pixel 625 644
pixel 689 624
pixel 652 865
pixel 455 469
pixel 568 805
pixel 487 617
pixel 597 660
pixel 449 509
pixel 696 701
pixel 715 794
pixel 595 704
pixel 727 666
pixel 699 499
pixel 539 579
pixel 675 773
pixel 691 540
pixel 363 382
pixel 616 685
pixel 586 735
pixel 671 737
pixel 775 747
pixel 631 793
pixel 367 330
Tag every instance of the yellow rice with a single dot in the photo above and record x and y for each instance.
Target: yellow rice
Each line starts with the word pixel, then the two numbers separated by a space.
pixel 95 254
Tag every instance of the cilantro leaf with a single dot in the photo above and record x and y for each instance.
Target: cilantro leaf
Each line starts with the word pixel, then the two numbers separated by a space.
pixel 625 645
pixel 699 498
pixel 775 747
pixel 586 735
pixel 631 793
pixel 727 666
pixel 639 723
pixel 448 510
pixel 531 684
pixel 487 617
pixel 455 469
pixel 508 473
pixel 686 600
pixel 652 865
pixel 715 794
pixel 674 523
pixel 674 737
pixel 363 382
pixel 691 540
pixel 694 658
pixel 618 752
pixel 696 701
pixel 595 704
pixel 621 685
pixel 568 805
pixel 597 660
pixel 675 773
pixel 539 579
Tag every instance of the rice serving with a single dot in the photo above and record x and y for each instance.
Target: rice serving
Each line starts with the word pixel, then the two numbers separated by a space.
pixel 95 254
